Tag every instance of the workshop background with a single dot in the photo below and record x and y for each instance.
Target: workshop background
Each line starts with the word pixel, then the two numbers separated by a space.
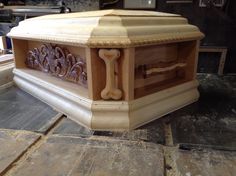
pixel 217 23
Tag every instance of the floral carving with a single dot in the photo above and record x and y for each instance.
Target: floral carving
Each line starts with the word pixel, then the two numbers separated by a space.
pixel 58 62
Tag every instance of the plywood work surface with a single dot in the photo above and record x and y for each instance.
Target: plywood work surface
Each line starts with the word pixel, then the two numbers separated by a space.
pixel 188 147
pixel 76 156
pixel 21 111
pixel 13 144
pixel 6 58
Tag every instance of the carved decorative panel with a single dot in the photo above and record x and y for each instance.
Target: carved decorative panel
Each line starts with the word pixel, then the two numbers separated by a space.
pixel 58 62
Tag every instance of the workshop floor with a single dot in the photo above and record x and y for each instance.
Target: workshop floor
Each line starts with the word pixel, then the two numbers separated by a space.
pixel 198 140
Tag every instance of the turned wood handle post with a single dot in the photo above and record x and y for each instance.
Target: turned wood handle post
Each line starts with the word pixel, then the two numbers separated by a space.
pixel 110 91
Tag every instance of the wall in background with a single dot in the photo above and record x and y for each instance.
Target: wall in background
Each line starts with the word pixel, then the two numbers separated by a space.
pixel 9 21
pixel 218 25
pixel 75 5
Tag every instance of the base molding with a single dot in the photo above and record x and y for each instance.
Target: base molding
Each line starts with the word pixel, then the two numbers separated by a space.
pixel 109 115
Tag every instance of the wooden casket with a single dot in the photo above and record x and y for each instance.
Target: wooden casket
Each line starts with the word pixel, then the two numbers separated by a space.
pixel 108 69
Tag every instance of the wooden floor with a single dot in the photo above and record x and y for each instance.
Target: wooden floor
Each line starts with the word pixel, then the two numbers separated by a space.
pixel 197 140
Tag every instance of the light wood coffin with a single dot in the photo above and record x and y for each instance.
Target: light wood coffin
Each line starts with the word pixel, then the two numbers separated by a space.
pixel 111 69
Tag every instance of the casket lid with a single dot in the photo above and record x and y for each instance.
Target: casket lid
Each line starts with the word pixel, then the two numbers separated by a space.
pixel 108 28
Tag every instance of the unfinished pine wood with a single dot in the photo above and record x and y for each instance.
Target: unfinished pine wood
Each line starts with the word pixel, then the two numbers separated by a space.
pixel 108 29
pixel 20 48
pixel 96 74
pixel 159 67
pixel 158 86
pixel 54 82
pixel 158 78
pixel 129 55
pixel 189 52
pixel 126 73
pixel 155 54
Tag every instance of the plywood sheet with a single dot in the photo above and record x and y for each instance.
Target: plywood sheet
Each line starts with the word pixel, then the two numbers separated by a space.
pixel 77 156
pixel 21 111
pixel 12 145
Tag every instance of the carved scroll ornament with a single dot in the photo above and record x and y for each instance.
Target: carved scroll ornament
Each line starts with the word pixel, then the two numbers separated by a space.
pixel 58 62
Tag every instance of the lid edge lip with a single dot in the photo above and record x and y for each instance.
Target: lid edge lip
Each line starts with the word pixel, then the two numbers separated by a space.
pixel 125 43
pixel 109 12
